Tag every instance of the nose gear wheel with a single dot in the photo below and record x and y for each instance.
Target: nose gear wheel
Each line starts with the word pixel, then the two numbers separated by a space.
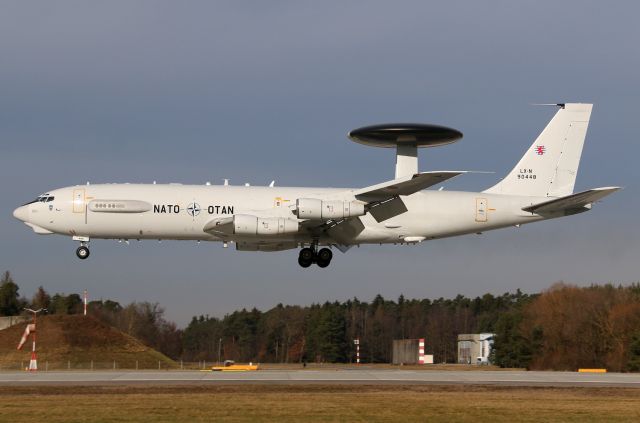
pixel 83 252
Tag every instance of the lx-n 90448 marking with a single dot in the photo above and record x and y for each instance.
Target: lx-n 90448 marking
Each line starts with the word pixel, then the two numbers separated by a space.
pixel 399 211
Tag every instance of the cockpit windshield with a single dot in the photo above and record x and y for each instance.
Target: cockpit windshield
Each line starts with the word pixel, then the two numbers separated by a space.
pixel 44 198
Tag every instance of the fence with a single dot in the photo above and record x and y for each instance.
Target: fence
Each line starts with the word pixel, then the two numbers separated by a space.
pixel 45 365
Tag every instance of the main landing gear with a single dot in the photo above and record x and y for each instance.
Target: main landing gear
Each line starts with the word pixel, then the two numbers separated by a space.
pixel 310 255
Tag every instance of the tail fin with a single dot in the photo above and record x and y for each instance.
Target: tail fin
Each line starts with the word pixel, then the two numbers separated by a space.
pixel 550 165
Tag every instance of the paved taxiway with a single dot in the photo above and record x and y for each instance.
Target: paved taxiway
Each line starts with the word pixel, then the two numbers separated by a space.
pixel 358 376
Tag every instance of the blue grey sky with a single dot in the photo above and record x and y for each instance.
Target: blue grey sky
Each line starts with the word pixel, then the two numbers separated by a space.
pixel 136 91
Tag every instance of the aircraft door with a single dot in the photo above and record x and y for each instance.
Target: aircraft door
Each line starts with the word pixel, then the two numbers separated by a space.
pixel 79 201
pixel 481 209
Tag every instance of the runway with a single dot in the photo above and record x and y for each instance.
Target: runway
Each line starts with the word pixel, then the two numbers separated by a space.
pixel 357 376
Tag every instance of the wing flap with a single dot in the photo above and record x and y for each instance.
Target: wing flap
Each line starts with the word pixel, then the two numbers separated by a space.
pixel 571 203
pixel 388 209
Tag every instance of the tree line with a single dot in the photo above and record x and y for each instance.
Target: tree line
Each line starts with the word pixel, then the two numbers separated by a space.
pixel 568 327
pixel 563 328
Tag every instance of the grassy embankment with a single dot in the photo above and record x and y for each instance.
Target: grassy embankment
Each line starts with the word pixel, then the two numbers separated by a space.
pixel 78 342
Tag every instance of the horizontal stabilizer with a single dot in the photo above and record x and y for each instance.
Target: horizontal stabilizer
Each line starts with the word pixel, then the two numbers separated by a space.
pixel 571 204
pixel 404 186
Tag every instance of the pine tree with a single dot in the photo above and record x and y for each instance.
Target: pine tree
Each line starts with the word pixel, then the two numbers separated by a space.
pixel 332 333
pixel 634 353
pixel 41 299
pixel 511 348
pixel 9 301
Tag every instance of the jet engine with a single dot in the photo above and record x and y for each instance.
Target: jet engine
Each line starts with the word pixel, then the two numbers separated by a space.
pixel 315 209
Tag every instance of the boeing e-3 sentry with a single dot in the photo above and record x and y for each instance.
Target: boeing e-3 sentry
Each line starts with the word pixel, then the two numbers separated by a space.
pixel 399 211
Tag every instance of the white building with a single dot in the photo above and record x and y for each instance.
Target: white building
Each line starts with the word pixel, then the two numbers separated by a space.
pixel 475 348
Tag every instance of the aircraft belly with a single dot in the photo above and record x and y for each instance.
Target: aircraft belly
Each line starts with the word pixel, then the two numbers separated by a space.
pixel 110 226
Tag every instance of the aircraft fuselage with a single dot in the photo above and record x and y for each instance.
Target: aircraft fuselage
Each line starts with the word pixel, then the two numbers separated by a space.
pixel 179 212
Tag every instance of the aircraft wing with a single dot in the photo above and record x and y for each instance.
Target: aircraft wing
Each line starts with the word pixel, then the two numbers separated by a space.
pixel 222 226
pixel 571 204
pixel 404 186
pixel 383 200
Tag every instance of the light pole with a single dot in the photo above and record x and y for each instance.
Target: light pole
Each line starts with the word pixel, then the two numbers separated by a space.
pixel 219 350
pixel 357 344
pixel 33 363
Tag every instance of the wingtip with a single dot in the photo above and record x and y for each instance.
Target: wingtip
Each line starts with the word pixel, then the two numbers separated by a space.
pixel 608 189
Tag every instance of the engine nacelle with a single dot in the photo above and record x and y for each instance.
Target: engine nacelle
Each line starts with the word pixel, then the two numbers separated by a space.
pixel 244 224
pixel 314 209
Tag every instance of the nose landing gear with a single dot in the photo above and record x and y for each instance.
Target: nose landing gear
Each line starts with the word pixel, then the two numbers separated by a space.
pixel 308 256
pixel 83 250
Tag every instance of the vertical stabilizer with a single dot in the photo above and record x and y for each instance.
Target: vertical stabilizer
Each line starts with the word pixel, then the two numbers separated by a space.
pixel 550 166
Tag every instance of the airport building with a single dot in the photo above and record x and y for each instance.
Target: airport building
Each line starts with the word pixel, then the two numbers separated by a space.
pixel 475 348
pixel 410 351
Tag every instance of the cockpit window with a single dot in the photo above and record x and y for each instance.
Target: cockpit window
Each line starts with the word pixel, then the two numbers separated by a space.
pixel 44 198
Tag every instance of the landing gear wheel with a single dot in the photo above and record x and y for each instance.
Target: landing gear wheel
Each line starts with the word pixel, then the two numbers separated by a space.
pixel 82 252
pixel 323 258
pixel 305 259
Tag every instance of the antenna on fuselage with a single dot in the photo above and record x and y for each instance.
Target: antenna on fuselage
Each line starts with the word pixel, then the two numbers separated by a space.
pixel 406 138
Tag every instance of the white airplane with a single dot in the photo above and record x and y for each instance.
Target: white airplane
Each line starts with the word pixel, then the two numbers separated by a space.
pixel 400 211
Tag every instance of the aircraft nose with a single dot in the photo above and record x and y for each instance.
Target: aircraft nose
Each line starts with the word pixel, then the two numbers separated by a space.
pixel 21 213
